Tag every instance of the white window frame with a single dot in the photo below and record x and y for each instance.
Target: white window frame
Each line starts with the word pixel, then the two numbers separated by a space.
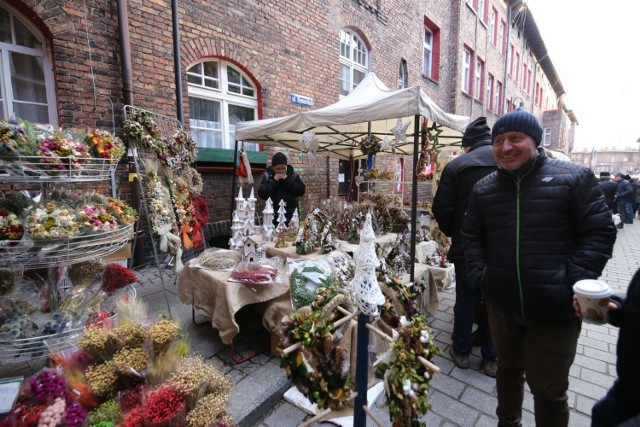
pixel 427 53
pixel 493 26
pixel 546 137
pixel 490 92
pixel 498 95
pixel 44 55
pixel 226 98
pixel 466 71
pixel 477 89
pixel 356 60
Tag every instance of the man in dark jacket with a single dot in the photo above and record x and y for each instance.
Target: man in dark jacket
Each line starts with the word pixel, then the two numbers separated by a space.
pixel 449 205
pixel 622 402
pixel 623 194
pixel 532 229
pixel 281 182
pixel 608 188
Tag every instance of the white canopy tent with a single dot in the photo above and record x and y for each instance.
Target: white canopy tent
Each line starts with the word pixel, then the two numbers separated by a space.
pixel 371 108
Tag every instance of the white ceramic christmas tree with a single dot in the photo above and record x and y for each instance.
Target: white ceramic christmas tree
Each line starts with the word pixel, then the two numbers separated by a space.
pixel 237 239
pixel 267 222
pixel 252 201
pixel 364 286
pixel 282 219
pixel 295 219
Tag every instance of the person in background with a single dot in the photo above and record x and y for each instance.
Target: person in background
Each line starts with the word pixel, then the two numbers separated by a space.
pixel 449 206
pixel 608 188
pixel 622 402
pixel 631 200
pixel 623 192
pixel 636 203
pixel 281 182
pixel 532 229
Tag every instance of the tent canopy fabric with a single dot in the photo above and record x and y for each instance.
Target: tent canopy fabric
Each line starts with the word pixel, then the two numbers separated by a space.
pixel 370 108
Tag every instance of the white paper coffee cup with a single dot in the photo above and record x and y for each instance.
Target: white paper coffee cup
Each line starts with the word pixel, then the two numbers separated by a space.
pixel 593 297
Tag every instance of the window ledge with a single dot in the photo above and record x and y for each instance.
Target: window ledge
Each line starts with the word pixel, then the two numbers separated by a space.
pixel 226 155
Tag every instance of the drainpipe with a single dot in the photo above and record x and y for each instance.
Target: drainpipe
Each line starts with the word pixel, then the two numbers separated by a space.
pixel 127 93
pixel 176 59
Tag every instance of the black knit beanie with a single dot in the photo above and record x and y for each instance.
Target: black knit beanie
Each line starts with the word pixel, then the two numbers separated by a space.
pixel 476 131
pixel 278 159
pixel 519 120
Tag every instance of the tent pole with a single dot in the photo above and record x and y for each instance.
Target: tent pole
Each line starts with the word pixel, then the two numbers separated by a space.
pixel 414 195
pixel 233 180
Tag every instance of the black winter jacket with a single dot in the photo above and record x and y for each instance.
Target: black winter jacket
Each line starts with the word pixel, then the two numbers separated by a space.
pixel 530 234
pixel 286 189
pixel 457 179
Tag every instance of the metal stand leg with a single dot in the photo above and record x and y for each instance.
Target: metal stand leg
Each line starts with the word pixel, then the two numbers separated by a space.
pixel 236 360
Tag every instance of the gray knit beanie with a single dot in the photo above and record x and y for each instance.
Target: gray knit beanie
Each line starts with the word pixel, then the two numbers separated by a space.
pixel 519 120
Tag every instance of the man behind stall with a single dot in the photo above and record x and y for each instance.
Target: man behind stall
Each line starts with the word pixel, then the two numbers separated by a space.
pixel 281 182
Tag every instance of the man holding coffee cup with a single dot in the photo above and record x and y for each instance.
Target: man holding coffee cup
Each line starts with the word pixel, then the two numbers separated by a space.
pixel 532 230
pixel 622 402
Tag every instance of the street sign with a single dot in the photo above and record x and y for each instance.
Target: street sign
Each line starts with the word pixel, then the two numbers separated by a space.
pixel 304 101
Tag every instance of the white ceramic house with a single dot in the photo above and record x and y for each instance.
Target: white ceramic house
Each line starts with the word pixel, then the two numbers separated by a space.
pixel 252 251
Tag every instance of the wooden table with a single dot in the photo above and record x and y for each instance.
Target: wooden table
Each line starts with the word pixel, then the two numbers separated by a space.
pixel 210 292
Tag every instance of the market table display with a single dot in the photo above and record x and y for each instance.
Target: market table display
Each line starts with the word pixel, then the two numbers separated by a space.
pixel 210 292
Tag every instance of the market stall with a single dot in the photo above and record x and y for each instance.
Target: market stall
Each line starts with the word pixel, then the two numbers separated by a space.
pixel 370 109
pixel 347 130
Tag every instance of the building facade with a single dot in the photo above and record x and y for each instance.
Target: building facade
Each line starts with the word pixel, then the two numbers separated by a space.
pixel 77 64
pixel 611 160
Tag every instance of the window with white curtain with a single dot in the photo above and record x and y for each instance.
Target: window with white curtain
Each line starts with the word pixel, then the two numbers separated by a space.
pixel 466 72
pixel 354 61
pixel 220 95
pixel 26 76
pixel 427 57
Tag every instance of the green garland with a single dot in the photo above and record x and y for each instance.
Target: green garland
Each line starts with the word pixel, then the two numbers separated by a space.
pixel 327 383
pixel 406 377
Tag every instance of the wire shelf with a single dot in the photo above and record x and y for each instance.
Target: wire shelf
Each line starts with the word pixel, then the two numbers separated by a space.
pixel 38 169
pixel 42 346
pixel 32 253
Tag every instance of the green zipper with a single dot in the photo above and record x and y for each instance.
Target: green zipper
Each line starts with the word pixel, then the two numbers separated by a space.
pixel 518 248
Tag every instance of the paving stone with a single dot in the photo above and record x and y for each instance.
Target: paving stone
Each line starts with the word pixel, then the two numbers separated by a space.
pixel 285 415
pixel 585 404
pixel 597 378
pixel 586 388
pixel 453 410
pixel 482 401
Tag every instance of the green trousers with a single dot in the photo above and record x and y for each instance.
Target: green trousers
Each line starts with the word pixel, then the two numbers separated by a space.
pixel 541 354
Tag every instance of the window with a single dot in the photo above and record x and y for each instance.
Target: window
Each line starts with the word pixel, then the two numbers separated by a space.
pixel 26 79
pixel 498 98
pixel 403 78
pixel 511 56
pixel 490 92
pixel 502 37
pixel 546 137
pixel 427 57
pixel 220 96
pixel 431 50
pixel 466 72
pixel 479 80
pixel 524 75
pixel 517 67
pixel 354 61
pixel 482 10
pixel 493 27
pixel 536 99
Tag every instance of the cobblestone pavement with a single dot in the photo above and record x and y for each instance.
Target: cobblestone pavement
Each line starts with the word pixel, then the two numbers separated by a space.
pixel 458 397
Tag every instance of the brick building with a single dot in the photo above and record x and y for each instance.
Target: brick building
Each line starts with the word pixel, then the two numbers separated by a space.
pixel 611 160
pixel 78 63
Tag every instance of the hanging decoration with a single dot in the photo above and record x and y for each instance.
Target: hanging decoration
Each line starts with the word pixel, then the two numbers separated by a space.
pixel 309 143
pixel 243 169
pixel 370 145
pixel 364 286
pixel 400 131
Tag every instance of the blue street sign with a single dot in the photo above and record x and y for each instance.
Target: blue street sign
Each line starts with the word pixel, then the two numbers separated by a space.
pixel 304 101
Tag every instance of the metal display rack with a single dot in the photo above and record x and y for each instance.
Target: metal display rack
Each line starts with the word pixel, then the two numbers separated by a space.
pixel 166 126
pixel 30 254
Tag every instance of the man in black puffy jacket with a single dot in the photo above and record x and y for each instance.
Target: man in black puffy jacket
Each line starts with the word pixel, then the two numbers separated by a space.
pixel 449 206
pixel 532 229
pixel 281 182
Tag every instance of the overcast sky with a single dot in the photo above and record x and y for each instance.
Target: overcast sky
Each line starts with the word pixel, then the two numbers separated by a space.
pixel 595 48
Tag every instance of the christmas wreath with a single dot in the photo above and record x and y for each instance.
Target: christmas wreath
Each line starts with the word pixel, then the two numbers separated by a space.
pixel 370 144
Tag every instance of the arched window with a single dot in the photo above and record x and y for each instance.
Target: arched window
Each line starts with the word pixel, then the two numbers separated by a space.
pixel 354 61
pixel 26 79
pixel 220 95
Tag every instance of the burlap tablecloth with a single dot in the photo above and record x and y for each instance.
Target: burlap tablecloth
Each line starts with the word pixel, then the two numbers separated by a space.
pixel 210 292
